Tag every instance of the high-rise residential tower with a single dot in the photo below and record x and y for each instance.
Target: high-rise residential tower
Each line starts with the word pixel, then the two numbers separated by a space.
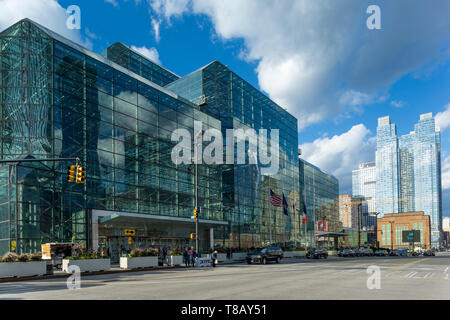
pixel 408 171
pixel 364 185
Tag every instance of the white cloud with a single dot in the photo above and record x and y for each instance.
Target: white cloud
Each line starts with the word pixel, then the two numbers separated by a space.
pixel 45 12
pixel 150 53
pixel 113 2
pixel 317 58
pixel 341 154
pixel 398 104
pixel 443 118
pixel 155 25
pixel 446 174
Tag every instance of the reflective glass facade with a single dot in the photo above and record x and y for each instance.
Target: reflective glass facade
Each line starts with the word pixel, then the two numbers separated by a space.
pixel 59 100
pixel 319 192
pixel 364 185
pixel 409 171
pixel 135 62
pixel 246 204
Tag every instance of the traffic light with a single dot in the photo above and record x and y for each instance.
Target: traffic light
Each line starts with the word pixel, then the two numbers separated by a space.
pixel 195 214
pixel 81 174
pixel 71 173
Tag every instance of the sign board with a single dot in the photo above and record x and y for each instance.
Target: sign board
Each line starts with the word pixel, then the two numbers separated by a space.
pixel 411 236
pixel 46 251
pixel 322 225
pixel 203 262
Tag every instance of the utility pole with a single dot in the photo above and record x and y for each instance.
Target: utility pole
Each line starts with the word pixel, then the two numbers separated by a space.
pixel 359 225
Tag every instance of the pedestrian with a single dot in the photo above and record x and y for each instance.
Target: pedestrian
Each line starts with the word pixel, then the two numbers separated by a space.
pixel 164 254
pixel 191 256
pixel 214 258
pixel 194 257
pixel 186 257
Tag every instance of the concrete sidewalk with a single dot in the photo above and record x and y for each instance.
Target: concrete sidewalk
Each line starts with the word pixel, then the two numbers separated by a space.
pixel 114 269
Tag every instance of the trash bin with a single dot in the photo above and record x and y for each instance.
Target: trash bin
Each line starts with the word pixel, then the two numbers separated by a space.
pixel 49 268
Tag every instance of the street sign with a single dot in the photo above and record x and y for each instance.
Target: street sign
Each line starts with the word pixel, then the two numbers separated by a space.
pixel 411 236
pixel 130 232
pixel 46 251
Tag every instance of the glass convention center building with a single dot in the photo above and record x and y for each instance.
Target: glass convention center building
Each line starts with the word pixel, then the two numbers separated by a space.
pixel 116 112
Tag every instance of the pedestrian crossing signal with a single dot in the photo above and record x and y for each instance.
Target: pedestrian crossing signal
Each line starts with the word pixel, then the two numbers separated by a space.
pixel 71 173
pixel 81 175
pixel 193 236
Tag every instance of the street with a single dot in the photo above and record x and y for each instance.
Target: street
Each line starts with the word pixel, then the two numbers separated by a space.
pixel 334 278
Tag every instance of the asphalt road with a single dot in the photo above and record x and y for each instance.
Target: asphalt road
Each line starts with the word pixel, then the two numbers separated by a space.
pixel 334 278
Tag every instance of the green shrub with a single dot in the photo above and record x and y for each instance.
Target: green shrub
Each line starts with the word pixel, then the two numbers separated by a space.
pixel 37 256
pixel 10 257
pixel 24 257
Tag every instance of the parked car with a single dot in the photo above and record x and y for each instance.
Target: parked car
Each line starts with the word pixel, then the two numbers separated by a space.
pixel 264 255
pixel 367 252
pixel 381 253
pixel 402 252
pixel 429 253
pixel 317 253
pixel 393 253
pixel 346 253
pixel 357 252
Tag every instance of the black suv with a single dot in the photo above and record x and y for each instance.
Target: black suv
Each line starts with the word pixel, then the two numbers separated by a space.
pixel 317 253
pixel 264 255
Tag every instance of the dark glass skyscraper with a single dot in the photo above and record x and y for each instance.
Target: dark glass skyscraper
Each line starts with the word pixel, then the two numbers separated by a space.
pixel 59 100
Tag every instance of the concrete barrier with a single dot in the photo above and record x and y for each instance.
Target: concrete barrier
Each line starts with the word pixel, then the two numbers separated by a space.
pixel 17 269
pixel 87 264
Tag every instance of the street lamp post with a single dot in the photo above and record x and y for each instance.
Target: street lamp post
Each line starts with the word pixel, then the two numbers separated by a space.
pixel 196 190
pixel 376 228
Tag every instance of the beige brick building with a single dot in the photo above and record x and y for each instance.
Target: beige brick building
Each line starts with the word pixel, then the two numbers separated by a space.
pixel 391 226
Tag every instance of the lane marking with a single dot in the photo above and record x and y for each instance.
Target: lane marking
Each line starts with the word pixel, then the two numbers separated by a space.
pixel 409 263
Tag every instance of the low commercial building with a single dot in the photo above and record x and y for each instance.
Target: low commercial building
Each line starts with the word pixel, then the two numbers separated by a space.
pixel 352 239
pixel 390 229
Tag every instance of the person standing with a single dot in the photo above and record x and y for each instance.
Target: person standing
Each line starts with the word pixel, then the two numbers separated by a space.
pixel 164 254
pixel 194 257
pixel 186 256
pixel 191 256
pixel 214 258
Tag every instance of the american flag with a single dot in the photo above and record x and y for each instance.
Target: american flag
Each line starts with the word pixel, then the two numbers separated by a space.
pixel 275 199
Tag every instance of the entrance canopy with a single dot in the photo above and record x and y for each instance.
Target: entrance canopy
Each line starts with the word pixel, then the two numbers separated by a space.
pixel 330 234
pixel 130 219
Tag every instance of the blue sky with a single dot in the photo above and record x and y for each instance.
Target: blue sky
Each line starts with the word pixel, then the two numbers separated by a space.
pixel 316 58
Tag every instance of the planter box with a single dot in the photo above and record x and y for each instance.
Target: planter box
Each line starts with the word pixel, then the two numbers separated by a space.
pixel 220 256
pixel 17 269
pixel 138 262
pixel 175 260
pixel 87 264
pixel 238 256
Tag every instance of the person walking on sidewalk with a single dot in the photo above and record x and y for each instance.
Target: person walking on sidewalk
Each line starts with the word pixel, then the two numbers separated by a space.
pixel 214 259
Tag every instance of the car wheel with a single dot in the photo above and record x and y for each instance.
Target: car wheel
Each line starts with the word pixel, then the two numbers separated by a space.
pixel 249 262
